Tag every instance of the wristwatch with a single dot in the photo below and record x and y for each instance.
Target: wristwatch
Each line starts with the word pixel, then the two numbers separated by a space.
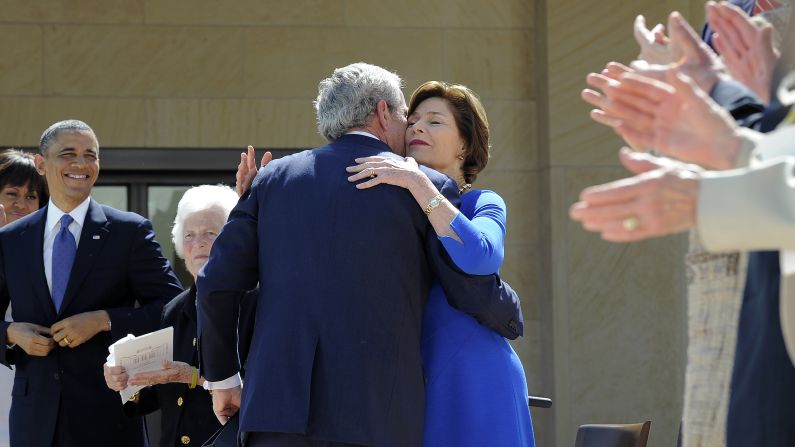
pixel 433 203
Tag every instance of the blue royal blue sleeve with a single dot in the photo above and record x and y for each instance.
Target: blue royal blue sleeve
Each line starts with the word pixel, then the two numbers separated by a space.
pixel 481 250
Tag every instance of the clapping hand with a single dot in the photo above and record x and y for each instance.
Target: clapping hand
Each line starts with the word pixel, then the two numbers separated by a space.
pixel 747 48
pixel 655 47
pixel 675 117
pixel 661 199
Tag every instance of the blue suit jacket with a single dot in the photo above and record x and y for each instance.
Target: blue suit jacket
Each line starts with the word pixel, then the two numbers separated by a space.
pixel 344 275
pixel 117 263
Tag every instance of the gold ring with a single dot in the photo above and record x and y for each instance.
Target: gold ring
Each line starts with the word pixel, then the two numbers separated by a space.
pixel 66 339
pixel 372 172
pixel 630 223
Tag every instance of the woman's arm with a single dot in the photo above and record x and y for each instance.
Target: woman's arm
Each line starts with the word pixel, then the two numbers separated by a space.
pixel 406 173
pixel 476 245
pixel 481 249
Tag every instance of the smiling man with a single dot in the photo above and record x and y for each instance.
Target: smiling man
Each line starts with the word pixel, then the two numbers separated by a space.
pixel 73 272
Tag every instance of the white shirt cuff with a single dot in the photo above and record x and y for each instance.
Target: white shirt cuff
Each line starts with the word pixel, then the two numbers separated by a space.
pixel 225 384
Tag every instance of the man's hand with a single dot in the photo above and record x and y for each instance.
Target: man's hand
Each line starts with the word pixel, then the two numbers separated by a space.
pixel 32 338
pixel 655 47
pixel 247 169
pixel 115 377
pixel 675 117
pixel 661 200
pixel 172 372
pixel 747 48
pixel 226 403
pixel 77 329
pixel 692 56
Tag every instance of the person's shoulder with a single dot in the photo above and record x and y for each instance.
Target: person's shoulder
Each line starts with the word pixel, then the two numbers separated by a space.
pixel 24 223
pixel 484 197
pixel 435 176
pixel 286 164
pixel 120 216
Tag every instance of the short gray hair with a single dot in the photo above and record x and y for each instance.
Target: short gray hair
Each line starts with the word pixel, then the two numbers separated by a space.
pixel 348 98
pixel 201 198
pixel 53 131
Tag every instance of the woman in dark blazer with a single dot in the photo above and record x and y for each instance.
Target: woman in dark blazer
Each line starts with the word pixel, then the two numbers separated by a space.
pixel 178 391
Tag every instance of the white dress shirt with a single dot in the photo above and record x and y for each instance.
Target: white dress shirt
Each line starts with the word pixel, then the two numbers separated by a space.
pixel 361 132
pixel 53 226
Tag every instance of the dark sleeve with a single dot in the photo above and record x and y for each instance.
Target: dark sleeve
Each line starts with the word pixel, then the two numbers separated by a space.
pixel 7 355
pixel 487 298
pixel 740 102
pixel 153 284
pixel 245 331
pixel 147 403
pixel 231 270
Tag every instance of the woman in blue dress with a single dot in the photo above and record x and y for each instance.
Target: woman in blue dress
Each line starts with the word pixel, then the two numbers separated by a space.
pixel 476 392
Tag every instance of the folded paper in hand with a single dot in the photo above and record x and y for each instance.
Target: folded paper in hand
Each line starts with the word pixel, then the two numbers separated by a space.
pixel 141 354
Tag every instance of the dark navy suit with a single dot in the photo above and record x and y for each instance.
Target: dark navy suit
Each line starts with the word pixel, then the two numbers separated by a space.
pixel 62 399
pixel 344 276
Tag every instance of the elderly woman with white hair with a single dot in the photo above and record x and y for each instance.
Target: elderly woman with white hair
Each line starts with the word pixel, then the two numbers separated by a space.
pixel 187 413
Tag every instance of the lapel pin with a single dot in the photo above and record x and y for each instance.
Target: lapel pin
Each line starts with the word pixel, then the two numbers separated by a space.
pixel 96 237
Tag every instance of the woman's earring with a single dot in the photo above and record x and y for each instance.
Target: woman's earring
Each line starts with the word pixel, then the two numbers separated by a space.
pixel 461 157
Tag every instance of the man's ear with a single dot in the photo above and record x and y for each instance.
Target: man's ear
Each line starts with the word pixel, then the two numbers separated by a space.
pixel 383 114
pixel 39 160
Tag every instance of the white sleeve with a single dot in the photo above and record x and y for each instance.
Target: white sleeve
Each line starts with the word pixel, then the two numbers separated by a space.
pixel 225 384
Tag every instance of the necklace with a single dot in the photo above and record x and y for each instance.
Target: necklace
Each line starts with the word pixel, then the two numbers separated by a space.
pixel 465 188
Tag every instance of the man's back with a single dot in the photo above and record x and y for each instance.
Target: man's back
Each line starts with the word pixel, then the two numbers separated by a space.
pixel 344 278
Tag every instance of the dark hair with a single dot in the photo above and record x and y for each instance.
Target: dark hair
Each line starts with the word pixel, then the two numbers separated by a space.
pixel 52 132
pixel 470 118
pixel 18 168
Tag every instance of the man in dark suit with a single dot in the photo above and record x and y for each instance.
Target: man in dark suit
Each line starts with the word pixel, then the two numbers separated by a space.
pixel 344 275
pixel 73 272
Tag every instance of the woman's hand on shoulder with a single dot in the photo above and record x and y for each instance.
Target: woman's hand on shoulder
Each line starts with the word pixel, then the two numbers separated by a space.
pixel 247 169
pixel 403 172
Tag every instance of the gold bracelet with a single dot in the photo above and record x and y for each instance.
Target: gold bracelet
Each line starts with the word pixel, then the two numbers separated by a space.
pixel 433 203
pixel 194 377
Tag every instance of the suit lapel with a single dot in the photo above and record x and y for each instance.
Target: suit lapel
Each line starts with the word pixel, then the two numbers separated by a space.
pixel 32 242
pixel 92 238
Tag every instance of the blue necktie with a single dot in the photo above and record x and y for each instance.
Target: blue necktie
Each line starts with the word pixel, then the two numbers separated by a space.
pixel 63 256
